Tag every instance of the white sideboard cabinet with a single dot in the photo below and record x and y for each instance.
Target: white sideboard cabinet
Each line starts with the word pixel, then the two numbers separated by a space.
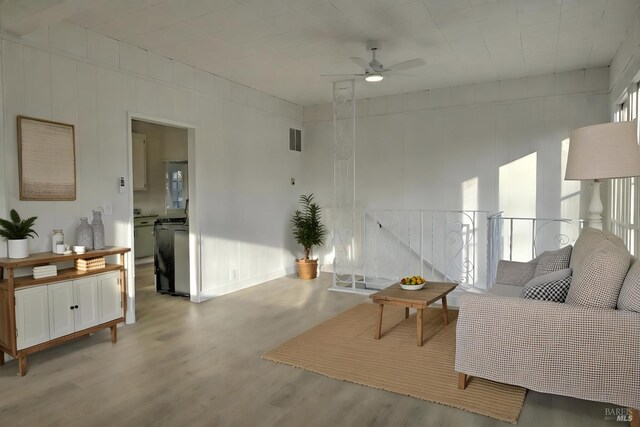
pixel 36 314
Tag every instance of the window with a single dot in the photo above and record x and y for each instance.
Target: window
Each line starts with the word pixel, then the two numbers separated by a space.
pixel 517 199
pixel 623 194
pixel 177 185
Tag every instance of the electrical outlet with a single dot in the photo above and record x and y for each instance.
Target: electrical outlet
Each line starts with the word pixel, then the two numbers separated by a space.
pixel 107 207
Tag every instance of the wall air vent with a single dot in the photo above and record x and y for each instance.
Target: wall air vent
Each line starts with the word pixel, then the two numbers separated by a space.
pixel 295 139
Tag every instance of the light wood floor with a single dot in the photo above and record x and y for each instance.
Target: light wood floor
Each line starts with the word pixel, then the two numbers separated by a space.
pixel 188 364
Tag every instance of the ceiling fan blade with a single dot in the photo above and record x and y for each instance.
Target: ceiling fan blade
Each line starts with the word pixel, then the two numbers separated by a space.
pixel 342 75
pixel 362 63
pixel 406 65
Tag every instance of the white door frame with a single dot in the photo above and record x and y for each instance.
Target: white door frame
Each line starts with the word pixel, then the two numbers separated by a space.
pixel 194 220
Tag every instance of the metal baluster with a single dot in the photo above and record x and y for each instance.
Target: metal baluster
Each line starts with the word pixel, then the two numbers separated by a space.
pixel 510 239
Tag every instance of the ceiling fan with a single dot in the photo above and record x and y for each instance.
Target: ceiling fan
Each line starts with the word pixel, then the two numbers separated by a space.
pixel 374 71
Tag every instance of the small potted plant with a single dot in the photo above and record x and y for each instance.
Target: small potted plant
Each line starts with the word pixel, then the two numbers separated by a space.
pixel 16 232
pixel 309 232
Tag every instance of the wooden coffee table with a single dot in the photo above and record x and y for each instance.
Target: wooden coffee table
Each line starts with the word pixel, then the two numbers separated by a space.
pixel 420 299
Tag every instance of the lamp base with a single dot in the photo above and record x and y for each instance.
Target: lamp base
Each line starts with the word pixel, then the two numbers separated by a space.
pixel 594 219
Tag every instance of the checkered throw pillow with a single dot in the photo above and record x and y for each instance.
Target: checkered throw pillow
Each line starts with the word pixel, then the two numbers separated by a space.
pixel 555 291
pixel 550 261
pixel 554 276
pixel 598 279
pixel 629 298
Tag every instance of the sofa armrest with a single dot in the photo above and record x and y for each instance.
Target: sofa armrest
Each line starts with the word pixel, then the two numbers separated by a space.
pixel 515 273
pixel 583 352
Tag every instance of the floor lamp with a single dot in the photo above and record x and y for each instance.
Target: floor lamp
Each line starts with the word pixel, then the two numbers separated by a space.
pixel 605 151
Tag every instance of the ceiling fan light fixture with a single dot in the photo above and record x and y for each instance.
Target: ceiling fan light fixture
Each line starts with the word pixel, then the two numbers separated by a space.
pixel 373 77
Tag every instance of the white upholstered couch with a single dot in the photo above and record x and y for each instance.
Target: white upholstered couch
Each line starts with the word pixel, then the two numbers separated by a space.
pixel 571 349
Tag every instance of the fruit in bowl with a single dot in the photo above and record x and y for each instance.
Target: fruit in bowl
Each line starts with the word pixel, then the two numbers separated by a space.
pixel 412 283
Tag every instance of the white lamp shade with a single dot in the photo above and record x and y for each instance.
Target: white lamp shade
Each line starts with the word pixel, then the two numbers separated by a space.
pixel 609 150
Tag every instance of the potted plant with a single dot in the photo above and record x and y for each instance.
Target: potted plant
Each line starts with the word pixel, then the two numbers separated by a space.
pixel 309 232
pixel 16 232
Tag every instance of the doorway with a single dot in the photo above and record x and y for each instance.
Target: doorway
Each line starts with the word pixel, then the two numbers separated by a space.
pixel 163 225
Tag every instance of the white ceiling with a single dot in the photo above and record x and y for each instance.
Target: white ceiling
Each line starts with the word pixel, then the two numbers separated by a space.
pixel 282 46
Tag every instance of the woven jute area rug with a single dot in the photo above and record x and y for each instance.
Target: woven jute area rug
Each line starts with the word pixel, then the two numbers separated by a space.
pixel 344 348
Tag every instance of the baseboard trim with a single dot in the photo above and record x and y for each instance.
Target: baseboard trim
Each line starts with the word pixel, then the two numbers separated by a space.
pixel 227 288
pixel 290 269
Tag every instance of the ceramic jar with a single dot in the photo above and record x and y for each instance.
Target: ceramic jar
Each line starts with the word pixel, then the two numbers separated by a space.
pixel 84 234
pixel 56 239
pixel 98 230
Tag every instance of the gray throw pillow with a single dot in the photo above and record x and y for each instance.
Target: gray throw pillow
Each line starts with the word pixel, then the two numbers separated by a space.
pixel 598 279
pixel 553 261
pixel 555 291
pixel 554 276
pixel 629 298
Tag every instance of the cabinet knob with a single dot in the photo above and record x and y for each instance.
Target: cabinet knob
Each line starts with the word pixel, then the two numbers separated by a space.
pixel 75 306
pixel 71 307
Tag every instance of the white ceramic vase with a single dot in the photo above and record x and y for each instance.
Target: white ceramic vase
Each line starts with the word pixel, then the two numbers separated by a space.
pixel 18 248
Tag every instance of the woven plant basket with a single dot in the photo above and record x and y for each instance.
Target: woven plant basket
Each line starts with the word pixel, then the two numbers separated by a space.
pixel 307 269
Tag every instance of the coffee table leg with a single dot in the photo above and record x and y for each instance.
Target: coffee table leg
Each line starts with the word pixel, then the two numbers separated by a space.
pixel 406 312
pixel 445 310
pixel 419 316
pixel 379 326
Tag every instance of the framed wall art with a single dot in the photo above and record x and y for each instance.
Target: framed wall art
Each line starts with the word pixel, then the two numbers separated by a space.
pixel 46 159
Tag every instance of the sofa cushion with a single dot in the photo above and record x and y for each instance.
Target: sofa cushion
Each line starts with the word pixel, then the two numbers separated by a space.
pixel 499 289
pixel 554 291
pixel 550 261
pixel 629 298
pixel 589 238
pixel 515 273
pixel 554 276
pixel 598 278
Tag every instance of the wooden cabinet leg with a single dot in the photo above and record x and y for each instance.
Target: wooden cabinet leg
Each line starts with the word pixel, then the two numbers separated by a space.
pixel 445 310
pixel 114 334
pixel 635 417
pixel 419 317
pixel 1 357
pixel 406 312
pixel 22 364
pixel 462 381
pixel 379 325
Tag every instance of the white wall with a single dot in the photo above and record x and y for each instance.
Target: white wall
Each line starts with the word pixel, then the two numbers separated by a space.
pixel 414 151
pixel 625 66
pixel 164 143
pixel 243 162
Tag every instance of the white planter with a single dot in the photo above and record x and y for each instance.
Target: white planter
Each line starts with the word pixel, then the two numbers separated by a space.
pixel 18 248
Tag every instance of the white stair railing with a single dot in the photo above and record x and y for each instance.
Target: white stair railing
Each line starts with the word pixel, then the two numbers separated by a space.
pixel 438 245
pixel 456 246
pixel 522 239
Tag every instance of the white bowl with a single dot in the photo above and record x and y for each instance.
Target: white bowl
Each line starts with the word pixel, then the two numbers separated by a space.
pixel 412 287
pixel 79 249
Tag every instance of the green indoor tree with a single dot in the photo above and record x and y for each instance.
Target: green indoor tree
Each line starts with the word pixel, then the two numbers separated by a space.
pixel 307 227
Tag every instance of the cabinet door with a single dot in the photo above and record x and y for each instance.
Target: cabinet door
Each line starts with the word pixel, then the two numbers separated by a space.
pixel 110 297
pixel 85 295
pixel 61 309
pixel 139 155
pixel 143 241
pixel 32 316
